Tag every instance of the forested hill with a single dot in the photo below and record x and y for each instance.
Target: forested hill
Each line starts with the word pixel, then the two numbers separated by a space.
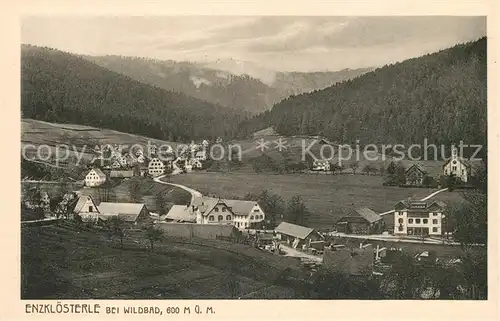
pixel 220 86
pixel 440 96
pixel 60 87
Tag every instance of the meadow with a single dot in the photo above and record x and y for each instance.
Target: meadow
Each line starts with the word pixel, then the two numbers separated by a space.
pixel 328 197
pixel 64 262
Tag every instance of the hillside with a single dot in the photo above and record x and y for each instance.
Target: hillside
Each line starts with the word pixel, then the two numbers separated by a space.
pixel 219 84
pixel 64 262
pixel 440 96
pixel 61 87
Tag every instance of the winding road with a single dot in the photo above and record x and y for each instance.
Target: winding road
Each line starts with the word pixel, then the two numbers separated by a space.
pixel 194 193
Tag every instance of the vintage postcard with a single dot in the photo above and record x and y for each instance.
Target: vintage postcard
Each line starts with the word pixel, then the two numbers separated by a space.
pixel 229 166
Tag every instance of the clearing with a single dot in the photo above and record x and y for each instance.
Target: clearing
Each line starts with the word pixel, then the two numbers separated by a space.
pixel 328 197
pixel 66 263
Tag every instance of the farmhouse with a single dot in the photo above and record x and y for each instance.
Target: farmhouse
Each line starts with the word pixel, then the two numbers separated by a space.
pixel 181 214
pixel 201 155
pixel 360 221
pixel 423 173
pixel 95 178
pixel 321 165
pixel 84 206
pixel 246 213
pixel 418 217
pixel 296 235
pixel 130 212
pixel 239 213
pixel 156 167
pixel 213 210
pixel 194 163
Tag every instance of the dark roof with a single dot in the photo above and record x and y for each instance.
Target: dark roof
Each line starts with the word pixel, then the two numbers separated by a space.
pixel 431 168
pixel 298 231
pixel 368 214
pixel 416 204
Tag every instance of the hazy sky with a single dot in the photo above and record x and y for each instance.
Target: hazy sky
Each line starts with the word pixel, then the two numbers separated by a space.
pixel 278 43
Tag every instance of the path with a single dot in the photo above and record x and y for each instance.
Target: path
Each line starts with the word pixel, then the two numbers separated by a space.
pixel 423 199
pixel 194 193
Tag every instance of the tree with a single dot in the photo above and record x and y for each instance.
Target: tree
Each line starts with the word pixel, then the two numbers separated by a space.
pixel 391 168
pixel 381 170
pixel 154 234
pixel 117 228
pixel 106 192
pixel 134 189
pixel 354 166
pixel 160 203
pixel 296 211
pixel 399 175
pixel 471 217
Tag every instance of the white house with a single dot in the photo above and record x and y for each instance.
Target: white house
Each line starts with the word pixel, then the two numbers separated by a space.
pixel 95 178
pixel 418 217
pixel 201 155
pixel 321 165
pixel 239 213
pixel 156 167
pixel 457 166
pixel 85 207
pixel 195 163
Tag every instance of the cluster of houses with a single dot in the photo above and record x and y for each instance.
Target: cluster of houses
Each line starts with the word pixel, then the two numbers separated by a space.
pixel 423 173
pixel 410 217
pixel 119 164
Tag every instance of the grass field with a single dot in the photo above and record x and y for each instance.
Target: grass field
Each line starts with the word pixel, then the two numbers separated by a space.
pixel 61 262
pixel 328 197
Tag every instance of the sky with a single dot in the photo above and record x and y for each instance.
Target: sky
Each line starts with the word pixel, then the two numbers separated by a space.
pixel 279 43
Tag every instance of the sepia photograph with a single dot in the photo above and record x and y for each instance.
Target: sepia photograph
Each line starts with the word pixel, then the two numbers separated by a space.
pixel 247 157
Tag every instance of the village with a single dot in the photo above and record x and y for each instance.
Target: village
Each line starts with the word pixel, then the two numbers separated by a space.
pixel 359 243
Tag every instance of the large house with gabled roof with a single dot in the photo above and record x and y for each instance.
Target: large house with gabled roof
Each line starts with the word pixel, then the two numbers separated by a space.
pixel 241 214
pixel 95 177
pixel 132 213
pixel 412 217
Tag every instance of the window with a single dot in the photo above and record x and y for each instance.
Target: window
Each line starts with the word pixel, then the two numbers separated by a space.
pixel 400 221
pixel 228 217
pixel 251 217
pixel 211 218
pixel 91 209
pixel 400 228
pixel 223 209
pixel 434 221
pixel 410 220
pixel 220 218
pixel 434 229
pixel 454 168
pixel 216 209
pixel 434 214
pixel 417 220
pixel 256 210
pixel 425 221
